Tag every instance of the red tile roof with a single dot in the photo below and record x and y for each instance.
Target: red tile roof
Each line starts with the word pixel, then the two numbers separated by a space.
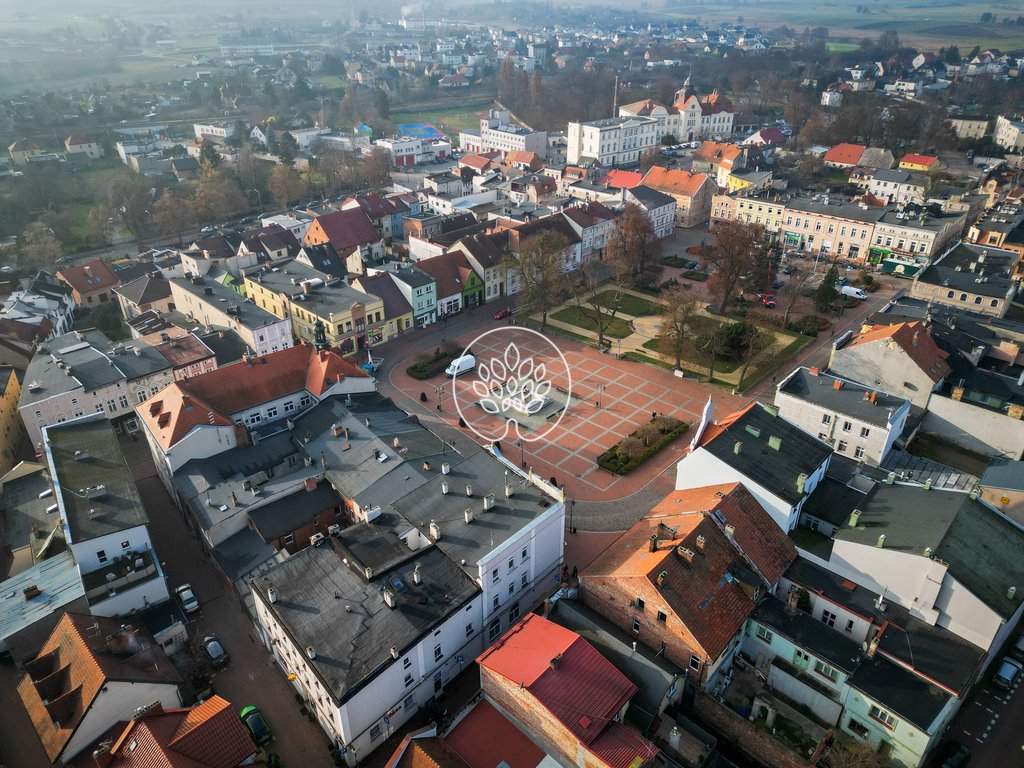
pixel 485 737
pixel 522 157
pixel 213 397
pixel 620 746
pixel 565 673
pixel 718 153
pixel 74 664
pixel 476 162
pixel 844 154
pixel 590 214
pixel 675 182
pixel 912 159
pixel 430 752
pixel 756 535
pixel 620 179
pixel 92 276
pixel 915 340
pixel 448 271
pixel 184 350
pixel 346 229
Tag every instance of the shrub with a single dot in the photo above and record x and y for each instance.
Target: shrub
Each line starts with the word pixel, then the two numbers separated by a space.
pixel 648 433
pixel 630 448
pixel 631 452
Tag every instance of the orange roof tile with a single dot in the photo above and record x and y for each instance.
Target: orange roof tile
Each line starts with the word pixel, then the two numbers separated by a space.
pixel 844 154
pixel 74 664
pixel 474 161
pixel 212 398
pixel 675 182
pixel 912 159
pixel 431 752
pixel 485 737
pixel 88 277
pixel 521 156
pixel 620 179
pixel 915 340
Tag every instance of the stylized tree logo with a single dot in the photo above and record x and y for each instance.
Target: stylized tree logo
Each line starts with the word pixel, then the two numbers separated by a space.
pixel 514 385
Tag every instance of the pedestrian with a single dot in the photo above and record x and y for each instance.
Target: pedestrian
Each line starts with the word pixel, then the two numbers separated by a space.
pixel 565 572
pixel 575 571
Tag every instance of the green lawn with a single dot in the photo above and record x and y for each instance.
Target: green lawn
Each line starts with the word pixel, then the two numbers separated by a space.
pixel 617 328
pixel 628 303
pixel 836 46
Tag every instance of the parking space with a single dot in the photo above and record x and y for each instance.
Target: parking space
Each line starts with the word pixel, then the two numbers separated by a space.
pixel 989 725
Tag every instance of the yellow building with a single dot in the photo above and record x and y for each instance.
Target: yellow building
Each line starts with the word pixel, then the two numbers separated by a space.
pixel 925 163
pixel 11 429
pixel 748 181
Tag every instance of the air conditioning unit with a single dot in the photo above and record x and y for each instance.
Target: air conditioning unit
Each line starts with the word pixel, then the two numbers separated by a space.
pixel 315 539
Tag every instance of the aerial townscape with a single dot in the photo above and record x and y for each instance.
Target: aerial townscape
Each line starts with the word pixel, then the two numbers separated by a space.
pixel 512 385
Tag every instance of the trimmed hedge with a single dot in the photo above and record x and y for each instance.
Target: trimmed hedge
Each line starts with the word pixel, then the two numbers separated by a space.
pixel 432 366
pixel 615 461
pixel 697 275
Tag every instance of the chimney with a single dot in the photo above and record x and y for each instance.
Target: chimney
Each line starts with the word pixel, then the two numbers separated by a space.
pixel 555 660
pixel 837 384
pixel 469 490
pixel 102 755
pixel 271 595
pixel 881 542
pixel 468 515
pixel 730 532
pixel 444 487
pixel 337 430
pixel 310 652
pixel 394 652
pixel 700 543
pixel 446 468
pixel 31 591
pixel 1011 593
pixel 389 598
pixel 872 647
pixel 417 575
pixel 435 531
pixel 686 554
pixel 307 288
pixel 653 546
pixel 737 447
pixel 488 502
pixel 310 484
pixel 426 466
pixel 854 518
pixel 508 490
pixel 791 602
pixel 914 340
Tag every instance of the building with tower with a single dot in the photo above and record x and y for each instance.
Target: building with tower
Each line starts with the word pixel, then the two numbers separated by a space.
pixel 690 117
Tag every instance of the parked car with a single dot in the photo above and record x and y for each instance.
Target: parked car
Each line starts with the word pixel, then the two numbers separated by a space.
pixel 953 755
pixel 1007 673
pixel 1018 648
pixel 789 269
pixel 768 299
pixel 777 284
pixel 187 598
pixel 853 292
pixel 253 720
pixel 501 314
pixel 214 652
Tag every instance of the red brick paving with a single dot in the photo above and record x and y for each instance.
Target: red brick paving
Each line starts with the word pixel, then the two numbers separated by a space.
pixel 632 391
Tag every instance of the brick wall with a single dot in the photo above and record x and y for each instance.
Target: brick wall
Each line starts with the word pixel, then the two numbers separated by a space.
pixel 739 731
pixel 519 704
pixel 613 598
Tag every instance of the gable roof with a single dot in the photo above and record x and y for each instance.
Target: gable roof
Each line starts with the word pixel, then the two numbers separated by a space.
pixel 674 181
pixel 383 287
pixel 1004 473
pixel 476 162
pixel 430 753
pixel 715 152
pixel 88 277
pixel 485 737
pixel 649 199
pixel 590 214
pixel 209 735
pixel 448 271
pixel 703 594
pixel 488 248
pixel 146 289
pixel 80 656
pixel 212 398
pixel 912 159
pixel 844 154
pixel 745 440
pixel 914 339
pixel 620 179
pixel 566 675
pixel 347 229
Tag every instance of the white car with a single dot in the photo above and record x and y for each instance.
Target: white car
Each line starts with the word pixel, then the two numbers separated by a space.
pixel 187 598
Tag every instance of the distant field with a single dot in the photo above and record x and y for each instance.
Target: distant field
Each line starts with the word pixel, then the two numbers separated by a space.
pixel 838 47
pixel 451 120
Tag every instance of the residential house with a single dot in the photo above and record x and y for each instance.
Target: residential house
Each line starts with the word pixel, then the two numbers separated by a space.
pixel 186 353
pixel 749 181
pixel 970 276
pixel 522 161
pixel 569 696
pixel 684 579
pixel 19 341
pixel 659 208
pixel 897 186
pixel 417 287
pixel 457 284
pixel 844 155
pixel 269 243
pixel 611 141
pixel 777 462
pixel 12 431
pixel 487 253
pixel 77 144
pixel 45 302
pixel 691 191
pixel 858 422
pixel 92 283
pixel 905 240
pixel 594 223
pixel 1009 134
pixel 830 227
pixel 901 359
pixel 149 292
pixel 923 163
pixel 877 158
pixel 22 150
pixel 212 305
pixel 378 209
pixel 767 211
pixel 718 160
pixel 218 252
pixel 265 390
pixel 555 225
pixel 969 127
pixel 353 237
pixel 324 259
pixel 397 310
pixel 432 581
pixel 103 520
pixel 617 178
pixel 84 372
pixel 89 674
pixel 208 735
pixel 185 168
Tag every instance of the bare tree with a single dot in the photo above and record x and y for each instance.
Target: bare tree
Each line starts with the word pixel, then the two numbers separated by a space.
pixel 39 247
pixel 286 185
pixel 101 224
pixel 174 214
pixel 538 267
pixel 756 341
pixel 735 254
pixel 792 290
pixel 634 249
pixel 710 346
pixel 678 308
pixel 600 307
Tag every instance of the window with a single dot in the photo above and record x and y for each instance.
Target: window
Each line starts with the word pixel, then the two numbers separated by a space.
pixel 829 618
pixel 864 431
pixel 849 625
pixel 639 603
pixel 662 617
pixel 289 539
pixel 800 658
pixel 636 626
pixel 409 702
pixel 883 717
pixel 826 418
pixel 524 555
pixel 495 601
pixel 511 563
pixel 272 412
pixel 977 299
pixel 511 589
pixel 494 630
pixel 125 544
pixel 963 297
pixel 847 426
pixel 438 655
pixel 994 303
pixel 289 406
pixel 826 671
pixel 469 630
pixel 823 435
pixel 406 663
pixel 857 729
pixel 842 446
pixel 375 732
pixel 408 679
pixel 524 579
pixel 123 401
pixel 765 634
pixel 494 576
pixel 101 555
pixel 141 394
pixel 305 400
pixel 858 452
pixel 513 613
pixel 694 663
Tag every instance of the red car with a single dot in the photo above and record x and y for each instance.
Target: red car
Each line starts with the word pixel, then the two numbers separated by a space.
pixel 767 299
pixel 501 314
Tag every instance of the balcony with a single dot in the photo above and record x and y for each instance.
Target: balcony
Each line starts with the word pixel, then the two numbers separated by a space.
pixel 121 574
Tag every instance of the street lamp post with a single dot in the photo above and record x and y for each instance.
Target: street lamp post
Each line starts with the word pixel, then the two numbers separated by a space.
pixel 259 196
pixel 522 455
pixel 600 396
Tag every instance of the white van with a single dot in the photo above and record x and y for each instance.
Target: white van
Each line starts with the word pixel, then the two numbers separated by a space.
pixel 853 292
pixel 460 365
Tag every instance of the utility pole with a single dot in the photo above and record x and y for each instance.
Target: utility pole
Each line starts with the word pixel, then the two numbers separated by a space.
pixel 615 97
